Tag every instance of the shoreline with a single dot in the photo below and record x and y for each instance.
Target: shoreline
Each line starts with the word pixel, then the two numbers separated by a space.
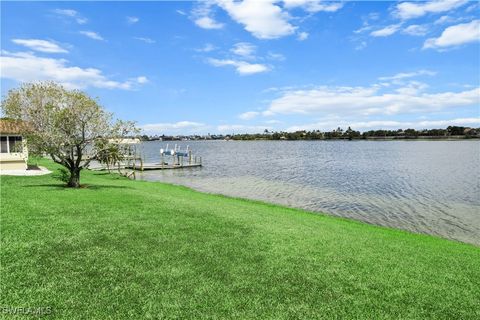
pixel 310 211
pixel 337 139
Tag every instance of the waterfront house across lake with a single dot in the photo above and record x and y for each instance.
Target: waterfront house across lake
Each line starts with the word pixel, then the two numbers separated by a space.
pixel 13 148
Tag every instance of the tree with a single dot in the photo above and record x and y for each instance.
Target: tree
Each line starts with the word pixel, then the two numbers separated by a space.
pixel 112 152
pixel 63 124
pixel 455 130
pixel 108 153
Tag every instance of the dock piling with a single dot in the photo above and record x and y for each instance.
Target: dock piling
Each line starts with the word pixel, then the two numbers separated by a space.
pixel 179 159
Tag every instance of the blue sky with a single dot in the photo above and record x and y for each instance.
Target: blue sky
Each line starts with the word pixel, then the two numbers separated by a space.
pixel 231 67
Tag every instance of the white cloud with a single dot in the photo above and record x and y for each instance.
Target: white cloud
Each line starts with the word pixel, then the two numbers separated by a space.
pixel 369 100
pixel 208 47
pixel 40 45
pixel 184 126
pixel 360 46
pixel 276 56
pixel 416 30
pixel 263 19
pixel 451 20
pixel 132 20
pixel 243 52
pixel 444 19
pixel 410 10
pixel 363 29
pixel 208 23
pixel 302 36
pixel 314 5
pixel 71 14
pixel 242 67
pixel 249 115
pixel 142 79
pixel 373 16
pixel 405 75
pixel 240 128
pixel 387 31
pixel 244 49
pixel 82 20
pixel 66 12
pixel 26 67
pixel 455 36
pixel 386 124
pixel 146 40
pixel 273 121
pixel 412 88
pixel 202 15
pixel 92 35
pixel 181 12
pixel 473 7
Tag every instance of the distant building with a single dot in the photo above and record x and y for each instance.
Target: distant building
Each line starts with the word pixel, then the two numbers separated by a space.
pixel 13 147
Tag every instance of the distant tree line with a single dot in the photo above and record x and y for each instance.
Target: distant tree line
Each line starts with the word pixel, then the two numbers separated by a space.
pixel 339 133
pixel 350 134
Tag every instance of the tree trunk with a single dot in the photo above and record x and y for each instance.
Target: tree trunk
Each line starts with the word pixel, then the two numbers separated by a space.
pixel 74 181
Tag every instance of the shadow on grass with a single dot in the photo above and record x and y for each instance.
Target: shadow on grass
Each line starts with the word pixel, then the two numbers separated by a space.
pixel 60 186
pixel 103 173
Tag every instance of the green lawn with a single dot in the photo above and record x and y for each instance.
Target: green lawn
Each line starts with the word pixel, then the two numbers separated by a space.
pixel 122 249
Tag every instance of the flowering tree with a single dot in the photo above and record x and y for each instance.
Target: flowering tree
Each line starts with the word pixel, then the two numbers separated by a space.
pixel 63 123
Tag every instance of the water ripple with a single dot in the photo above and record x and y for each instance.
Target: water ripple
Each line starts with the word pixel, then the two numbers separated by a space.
pixel 422 186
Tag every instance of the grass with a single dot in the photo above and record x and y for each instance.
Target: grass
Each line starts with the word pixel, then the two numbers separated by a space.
pixel 121 249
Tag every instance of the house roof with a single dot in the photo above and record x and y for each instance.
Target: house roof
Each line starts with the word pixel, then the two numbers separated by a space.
pixel 12 126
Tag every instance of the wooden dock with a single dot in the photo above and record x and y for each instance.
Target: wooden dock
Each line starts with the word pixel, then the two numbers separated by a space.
pixel 159 166
pixel 169 159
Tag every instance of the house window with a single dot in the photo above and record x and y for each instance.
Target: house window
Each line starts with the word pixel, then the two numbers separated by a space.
pixel 3 145
pixel 15 144
pixel 11 144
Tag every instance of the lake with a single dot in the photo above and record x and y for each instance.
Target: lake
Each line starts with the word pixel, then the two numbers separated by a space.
pixel 428 187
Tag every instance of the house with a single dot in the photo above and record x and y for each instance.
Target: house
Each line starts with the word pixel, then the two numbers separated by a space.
pixel 13 148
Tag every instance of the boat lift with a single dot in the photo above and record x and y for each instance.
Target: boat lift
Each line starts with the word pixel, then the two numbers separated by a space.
pixel 179 158
pixel 172 159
